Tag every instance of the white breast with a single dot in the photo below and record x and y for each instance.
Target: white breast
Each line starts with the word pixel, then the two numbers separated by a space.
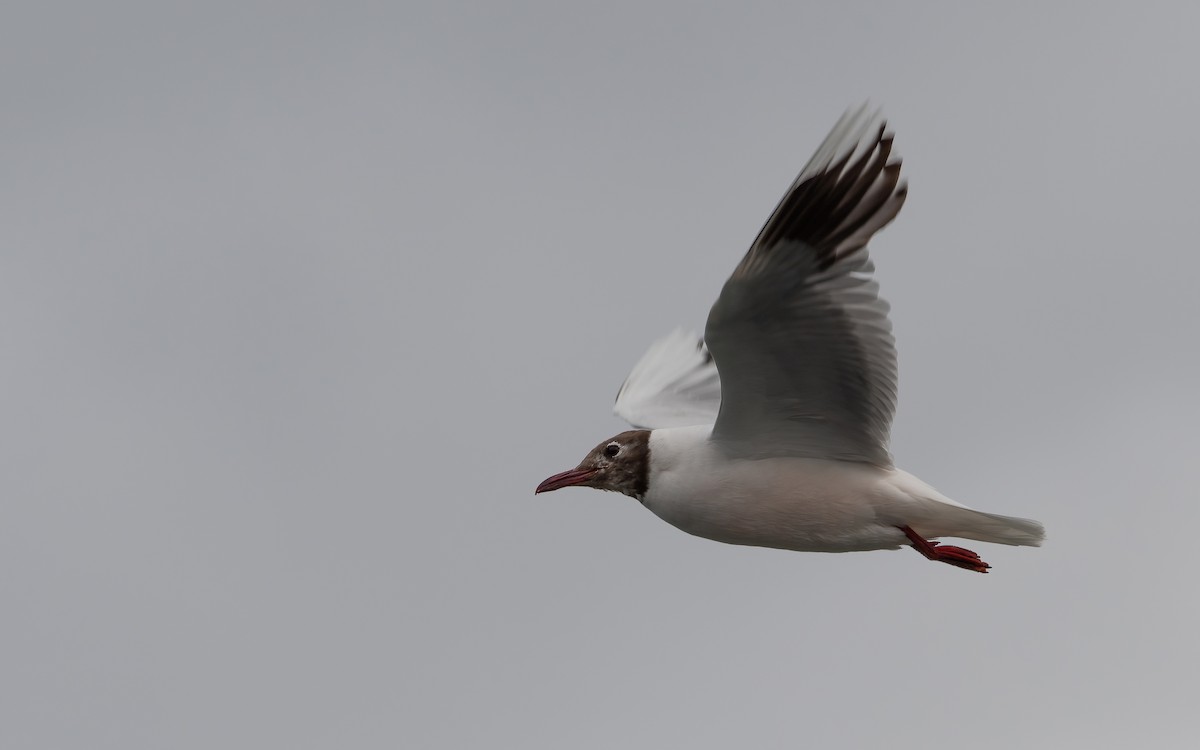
pixel 789 503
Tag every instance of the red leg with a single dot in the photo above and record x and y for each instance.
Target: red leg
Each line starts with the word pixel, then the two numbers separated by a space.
pixel 963 558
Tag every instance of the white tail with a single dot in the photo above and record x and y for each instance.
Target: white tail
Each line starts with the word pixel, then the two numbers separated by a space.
pixel 992 527
pixel 940 516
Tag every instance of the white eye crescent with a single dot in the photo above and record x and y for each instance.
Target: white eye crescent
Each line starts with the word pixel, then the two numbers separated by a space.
pixel 612 449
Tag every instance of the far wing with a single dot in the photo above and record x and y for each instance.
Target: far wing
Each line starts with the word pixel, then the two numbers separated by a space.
pixel 674 384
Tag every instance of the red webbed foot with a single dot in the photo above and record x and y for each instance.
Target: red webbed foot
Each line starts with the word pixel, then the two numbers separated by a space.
pixel 957 556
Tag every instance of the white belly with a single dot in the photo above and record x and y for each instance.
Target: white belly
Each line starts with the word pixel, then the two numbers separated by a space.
pixel 789 503
pixel 806 504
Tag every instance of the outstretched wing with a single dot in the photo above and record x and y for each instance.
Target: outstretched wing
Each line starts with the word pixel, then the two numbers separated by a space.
pixel 674 384
pixel 799 334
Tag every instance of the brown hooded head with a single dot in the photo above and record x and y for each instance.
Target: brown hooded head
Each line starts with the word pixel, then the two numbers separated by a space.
pixel 619 464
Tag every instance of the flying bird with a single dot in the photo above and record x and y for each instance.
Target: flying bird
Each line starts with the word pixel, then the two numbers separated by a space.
pixel 773 429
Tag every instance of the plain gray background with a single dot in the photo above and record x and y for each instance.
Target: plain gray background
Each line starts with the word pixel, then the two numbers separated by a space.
pixel 299 301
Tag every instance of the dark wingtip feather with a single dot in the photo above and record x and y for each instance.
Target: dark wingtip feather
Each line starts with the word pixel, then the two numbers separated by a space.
pixel 834 207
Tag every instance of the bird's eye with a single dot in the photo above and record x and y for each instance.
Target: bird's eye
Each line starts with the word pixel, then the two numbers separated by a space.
pixel 611 450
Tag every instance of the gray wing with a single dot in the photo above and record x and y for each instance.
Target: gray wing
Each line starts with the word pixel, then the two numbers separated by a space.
pixel 674 384
pixel 799 334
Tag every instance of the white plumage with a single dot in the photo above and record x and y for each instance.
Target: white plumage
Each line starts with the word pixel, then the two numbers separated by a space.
pixel 805 504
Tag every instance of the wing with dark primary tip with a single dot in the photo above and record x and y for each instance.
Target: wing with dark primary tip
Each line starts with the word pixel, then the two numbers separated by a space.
pixel 799 334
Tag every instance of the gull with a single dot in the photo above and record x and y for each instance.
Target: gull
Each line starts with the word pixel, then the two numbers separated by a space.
pixel 773 430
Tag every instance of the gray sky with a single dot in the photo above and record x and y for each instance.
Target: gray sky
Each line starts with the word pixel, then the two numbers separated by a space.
pixel 300 301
